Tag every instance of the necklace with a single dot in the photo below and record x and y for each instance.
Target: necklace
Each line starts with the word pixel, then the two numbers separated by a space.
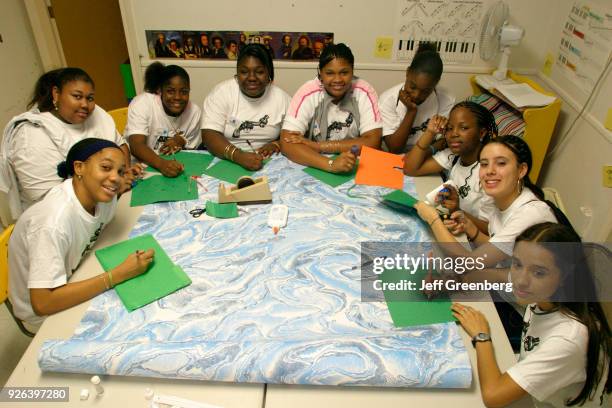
pixel 173 121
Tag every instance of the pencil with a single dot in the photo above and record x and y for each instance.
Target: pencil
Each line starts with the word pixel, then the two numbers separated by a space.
pixel 251 146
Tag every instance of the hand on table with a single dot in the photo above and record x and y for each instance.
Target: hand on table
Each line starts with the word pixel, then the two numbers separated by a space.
pixel 171 168
pixel 135 264
pixel 269 149
pixel 248 160
pixel 343 163
pixel 472 320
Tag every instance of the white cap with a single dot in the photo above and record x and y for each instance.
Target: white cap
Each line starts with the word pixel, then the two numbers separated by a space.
pixel 95 380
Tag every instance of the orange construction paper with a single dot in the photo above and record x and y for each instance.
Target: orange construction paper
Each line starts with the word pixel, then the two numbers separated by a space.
pixel 378 168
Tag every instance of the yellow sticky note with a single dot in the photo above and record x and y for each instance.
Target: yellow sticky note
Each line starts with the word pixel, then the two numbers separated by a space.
pixel 383 47
pixel 548 64
pixel 608 122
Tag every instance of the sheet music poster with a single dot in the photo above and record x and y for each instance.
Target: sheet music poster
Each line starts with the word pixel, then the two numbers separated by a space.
pixel 453 24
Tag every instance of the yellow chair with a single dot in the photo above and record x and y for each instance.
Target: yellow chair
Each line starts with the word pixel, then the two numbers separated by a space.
pixel 4 272
pixel 120 118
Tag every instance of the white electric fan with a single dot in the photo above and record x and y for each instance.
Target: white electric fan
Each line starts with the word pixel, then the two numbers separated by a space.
pixel 497 36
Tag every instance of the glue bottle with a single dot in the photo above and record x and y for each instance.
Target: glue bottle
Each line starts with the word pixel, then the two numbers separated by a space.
pixel 277 217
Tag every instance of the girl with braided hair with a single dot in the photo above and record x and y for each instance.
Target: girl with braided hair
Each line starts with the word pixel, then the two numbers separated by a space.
pixel 468 128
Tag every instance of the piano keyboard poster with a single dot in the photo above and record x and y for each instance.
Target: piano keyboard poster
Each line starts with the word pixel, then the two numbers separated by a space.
pixel 454 25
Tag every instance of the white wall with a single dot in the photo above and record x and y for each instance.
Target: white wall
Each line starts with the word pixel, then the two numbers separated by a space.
pixel 575 168
pixel 20 66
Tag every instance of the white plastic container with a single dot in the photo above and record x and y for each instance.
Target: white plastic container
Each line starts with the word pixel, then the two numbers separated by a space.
pixel 277 217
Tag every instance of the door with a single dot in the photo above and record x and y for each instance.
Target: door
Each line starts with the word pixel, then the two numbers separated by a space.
pixel 92 38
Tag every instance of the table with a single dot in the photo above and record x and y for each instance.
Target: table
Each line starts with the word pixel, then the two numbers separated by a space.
pixel 129 388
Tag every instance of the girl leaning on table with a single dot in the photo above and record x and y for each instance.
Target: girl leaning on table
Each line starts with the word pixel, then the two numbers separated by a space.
pixel 51 238
pixel 243 115
pixel 566 341
pixel 162 120
pixel 469 127
pixel 62 112
pixel 407 107
pixel 330 114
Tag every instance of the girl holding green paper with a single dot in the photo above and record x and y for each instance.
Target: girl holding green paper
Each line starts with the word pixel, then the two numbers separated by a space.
pixel 51 238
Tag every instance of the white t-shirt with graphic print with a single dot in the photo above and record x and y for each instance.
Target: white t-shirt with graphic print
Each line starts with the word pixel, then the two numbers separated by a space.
pixel 48 242
pixel 467 181
pixel 341 124
pixel 146 116
pixel 240 118
pixel 552 363
pixel 439 102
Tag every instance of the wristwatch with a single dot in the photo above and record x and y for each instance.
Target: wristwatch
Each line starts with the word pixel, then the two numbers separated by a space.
pixel 480 337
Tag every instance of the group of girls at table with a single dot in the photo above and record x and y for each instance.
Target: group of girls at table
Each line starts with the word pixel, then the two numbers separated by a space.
pixel 64 166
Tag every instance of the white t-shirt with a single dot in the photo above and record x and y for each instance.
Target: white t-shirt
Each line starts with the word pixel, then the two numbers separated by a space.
pixel 341 124
pixel 467 180
pixel 146 116
pixel 439 102
pixel 48 243
pixel 552 364
pixel 525 211
pixel 240 118
pixel 37 146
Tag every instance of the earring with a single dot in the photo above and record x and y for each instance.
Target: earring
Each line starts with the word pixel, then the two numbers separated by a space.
pixel 55 104
pixel 520 184
pixel 79 177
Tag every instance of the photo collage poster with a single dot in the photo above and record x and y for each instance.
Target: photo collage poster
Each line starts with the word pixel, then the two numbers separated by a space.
pixel 282 45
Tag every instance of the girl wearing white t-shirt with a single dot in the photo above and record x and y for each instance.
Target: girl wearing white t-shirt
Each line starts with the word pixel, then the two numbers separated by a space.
pixel 163 120
pixel 407 107
pixel 62 112
pixel 331 114
pixel 243 115
pixel 518 204
pixel 468 128
pixel 52 236
pixel 566 341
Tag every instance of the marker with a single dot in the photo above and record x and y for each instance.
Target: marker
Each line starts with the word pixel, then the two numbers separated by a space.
pixel 355 150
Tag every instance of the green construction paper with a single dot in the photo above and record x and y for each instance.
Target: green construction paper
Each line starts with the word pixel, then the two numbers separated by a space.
pixel 411 307
pixel 401 197
pixel 161 279
pixel 229 210
pixel 228 171
pixel 331 179
pixel 157 189
pixel 195 163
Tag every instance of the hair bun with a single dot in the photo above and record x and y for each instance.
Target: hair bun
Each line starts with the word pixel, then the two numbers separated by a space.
pixel 62 170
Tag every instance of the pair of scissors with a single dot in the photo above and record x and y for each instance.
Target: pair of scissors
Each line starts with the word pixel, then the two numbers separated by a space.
pixel 197 212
